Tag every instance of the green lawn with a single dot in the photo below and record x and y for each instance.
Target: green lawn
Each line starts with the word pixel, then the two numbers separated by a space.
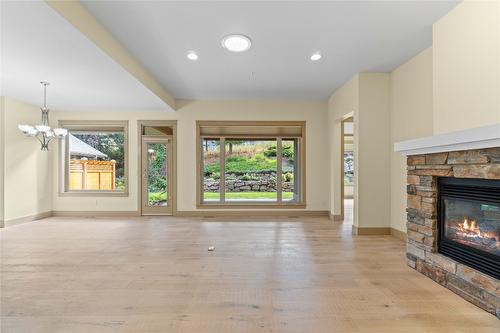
pixel 242 165
pixel 247 195
pixel 157 196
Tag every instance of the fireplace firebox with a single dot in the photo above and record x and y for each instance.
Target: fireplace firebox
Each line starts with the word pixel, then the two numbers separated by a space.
pixel 469 222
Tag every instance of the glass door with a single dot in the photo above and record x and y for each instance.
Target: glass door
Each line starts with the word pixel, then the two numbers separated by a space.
pixel 156 175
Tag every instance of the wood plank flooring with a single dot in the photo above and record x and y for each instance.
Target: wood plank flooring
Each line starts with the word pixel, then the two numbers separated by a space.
pixel 155 275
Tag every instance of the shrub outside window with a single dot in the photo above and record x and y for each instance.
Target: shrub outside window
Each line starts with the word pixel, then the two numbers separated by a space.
pixel 95 158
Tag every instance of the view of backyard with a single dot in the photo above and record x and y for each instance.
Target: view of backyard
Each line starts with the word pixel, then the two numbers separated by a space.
pixel 348 168
pixel 157 174
pixel 250 167
pixel 103 154
pixel 250 170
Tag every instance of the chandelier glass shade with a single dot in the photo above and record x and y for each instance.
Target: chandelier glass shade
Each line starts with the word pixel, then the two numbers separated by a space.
pixel 43 132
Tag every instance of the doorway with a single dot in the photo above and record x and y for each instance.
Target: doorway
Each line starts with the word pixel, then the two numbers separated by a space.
pixel 347 169
pixel 157 169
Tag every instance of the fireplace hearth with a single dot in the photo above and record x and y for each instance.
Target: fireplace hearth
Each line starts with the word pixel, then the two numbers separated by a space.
pixel 469 222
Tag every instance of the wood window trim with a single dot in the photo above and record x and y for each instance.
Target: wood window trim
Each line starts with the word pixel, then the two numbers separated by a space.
pixel 63 160
pixel 279 204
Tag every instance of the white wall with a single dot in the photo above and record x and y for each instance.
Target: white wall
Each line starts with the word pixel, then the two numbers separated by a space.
pixel 411 117
pixel 466 67
pixel 314 113
pixel 28 175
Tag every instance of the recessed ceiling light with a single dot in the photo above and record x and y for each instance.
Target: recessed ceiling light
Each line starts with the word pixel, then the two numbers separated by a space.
pixel 191 55
pixel 316 56
pixel 236 43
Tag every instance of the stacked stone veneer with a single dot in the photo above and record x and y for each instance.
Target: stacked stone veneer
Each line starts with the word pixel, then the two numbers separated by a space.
pixel 422 229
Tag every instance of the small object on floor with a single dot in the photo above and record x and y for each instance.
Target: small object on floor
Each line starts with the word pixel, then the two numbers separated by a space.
pixel 211 248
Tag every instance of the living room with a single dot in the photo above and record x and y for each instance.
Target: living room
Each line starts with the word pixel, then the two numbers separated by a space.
pixel 250 166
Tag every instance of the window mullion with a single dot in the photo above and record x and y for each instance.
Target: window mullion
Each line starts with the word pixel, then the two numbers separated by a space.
pixel 279 169
pixel 222 178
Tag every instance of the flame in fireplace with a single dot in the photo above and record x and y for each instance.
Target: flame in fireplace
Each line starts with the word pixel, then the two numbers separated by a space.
pixel 469 228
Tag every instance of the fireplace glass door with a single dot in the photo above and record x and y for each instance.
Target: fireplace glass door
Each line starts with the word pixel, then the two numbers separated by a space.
pixel 469 222
pixel 473 223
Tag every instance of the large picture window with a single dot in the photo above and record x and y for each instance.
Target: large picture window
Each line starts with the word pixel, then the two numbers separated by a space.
pixel 95 158
pixel 257 163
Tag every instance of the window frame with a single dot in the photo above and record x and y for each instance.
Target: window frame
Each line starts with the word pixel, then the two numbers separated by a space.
pixel 234 204
pixel 91 125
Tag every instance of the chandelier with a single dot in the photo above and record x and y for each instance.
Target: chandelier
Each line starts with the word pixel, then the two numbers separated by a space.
pixel 43 132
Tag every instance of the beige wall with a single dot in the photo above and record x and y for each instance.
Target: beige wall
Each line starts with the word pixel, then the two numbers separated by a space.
pixel 27 182
pixel 2 158
pixel 342 104
pixel 371 151
pixel 366 97
pixel 466 64
pixel 411 117
pixel 314 113
pixel 453 85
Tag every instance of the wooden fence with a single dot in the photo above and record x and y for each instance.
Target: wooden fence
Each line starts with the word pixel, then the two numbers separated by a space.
pixel 92 175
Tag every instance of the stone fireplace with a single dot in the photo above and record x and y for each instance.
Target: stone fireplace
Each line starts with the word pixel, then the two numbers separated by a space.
pixel 453 214
pixel 432 258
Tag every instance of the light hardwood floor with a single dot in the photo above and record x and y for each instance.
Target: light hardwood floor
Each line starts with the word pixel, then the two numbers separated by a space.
pixel 156 275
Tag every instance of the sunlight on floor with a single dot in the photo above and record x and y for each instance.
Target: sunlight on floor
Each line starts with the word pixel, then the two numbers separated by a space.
pixel 348 211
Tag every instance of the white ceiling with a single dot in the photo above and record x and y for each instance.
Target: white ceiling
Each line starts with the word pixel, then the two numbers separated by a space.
pixel 353 36
pixel 38 44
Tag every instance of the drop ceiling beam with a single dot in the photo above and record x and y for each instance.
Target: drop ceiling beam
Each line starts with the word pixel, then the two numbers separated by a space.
pixel 87 24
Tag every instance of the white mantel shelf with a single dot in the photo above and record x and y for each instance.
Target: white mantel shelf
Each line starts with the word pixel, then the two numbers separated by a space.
pixel 474 138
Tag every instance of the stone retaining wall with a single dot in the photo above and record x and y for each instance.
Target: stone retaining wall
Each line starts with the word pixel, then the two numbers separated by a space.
pixel 422 229
pixel 247 186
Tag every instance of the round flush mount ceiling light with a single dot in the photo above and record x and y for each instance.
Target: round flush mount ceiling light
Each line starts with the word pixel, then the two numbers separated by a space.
pixel 191 55
pixel 236 43
pixel 316 56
